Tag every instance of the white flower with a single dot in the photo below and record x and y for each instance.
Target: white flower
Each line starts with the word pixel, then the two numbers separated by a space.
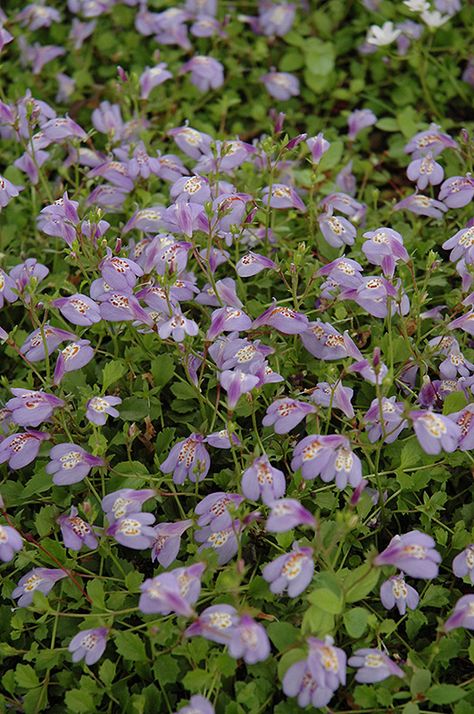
pixel 417 5
pixel 434 18
pixel 381 36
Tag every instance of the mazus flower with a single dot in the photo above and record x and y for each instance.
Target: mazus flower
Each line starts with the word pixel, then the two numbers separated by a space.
pixel 292 571
pixel 299 682
pixel 31 408
pixel 11 543
pixel 99 408
pixel 435 432
pixel 457 191
pixel 206 72
pixel 285 414
pixel 78 309
pixel 125 501
pixel 463 563
pixel 174 591
pixel 71 358
pixel 41 579
pixel 249 641
pixel 133 530
pixel 188 459
pixel 326 662
pixel 89 645
pixel 389 413
pixel 373 665
pixel 167 541
pixel 21 449
pixel 281 85
pixel 213 510
pixel 384 247
pixel 76 531
pixel 197 705
pixel 286 514
pixel 224 542
pixel 358 120
pixel 463 614
pixel 216 623
pixel 395 591
pixel 329 457
pixel 283 319
pixel 413 553
pixel 262 480
pixel 70 464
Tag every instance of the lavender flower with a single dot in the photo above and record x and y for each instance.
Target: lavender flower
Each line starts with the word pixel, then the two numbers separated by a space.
pixel 463 563
pixel 31 408
pixel 395 591
pixel 424 171
pixel 392 418
pixel 236 383
pixel 224 542
pixel 167 541
pixel 299 682
pixel 213 510
pixel 89 645
pixel 358 120
pixel 206 72
pixel 133 530
pixel 329 457
pixel 11 543
pixel 318 146
pixel 249 641
pixel 327 663
pixel 252 264
pixel 281 85
pixel 222 440
pixel 422 205
pixel 262 480
pixel 152 77
pixel 463 614
pixel 125 501
pixel 98 408
pixel 188 459
pixel 457 191
pixel 373 666
pixel 78 309
pixel 282 196
pixel 215 623
pixel 413 553
pixel 41 579
pixel 8 191
pixel 385 247
pixel 76 532
pixel 21 449
pixel 74 356
pixel 337 231
pixel 197 705
pixel 285 414
pixel 335 396
pixel 70 463
pixel 283 319
pixel 287 513
pixel 292 571
pixel 174 591
pixel 435 432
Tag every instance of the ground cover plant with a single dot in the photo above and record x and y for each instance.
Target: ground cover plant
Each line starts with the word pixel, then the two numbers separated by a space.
pixel 237 380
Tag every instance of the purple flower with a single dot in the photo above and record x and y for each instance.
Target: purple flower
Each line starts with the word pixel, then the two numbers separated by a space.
pixel 41 579
pixel 392 417
pixel 174 591
pixel 252 264
pixel 206 72
pixel 21 449
pixel 194 143
pixel 422 205
pixel 288 513
pixel 424 171
pixel 461 244
pixel 329 457
pixel 10 543
pixel 89 645
pixel 228 319
pixel 337 231
pixel 262 480
pixel 125 501
pixel 213 510
pixel 60 219
pixel 224 542
pixel 282 196
pixel 377 295
pixel 120 273
pixel 373 666
pixel 32 408
pixel 335 396
pixel 358 120
pixel 395 591
pixel 342 272
pixel 431 140
pixel 74 356
pixel 215 623
pixel 293 570
pixel 326 663
pixel 463 563
pixel 285 414
pixel 197 705
pixel 465 322
pixel 152 77
pixel 235 382
pixel 222 440
pixel 70 463
pixel 413 553
pixel 177 327
pixel 188 459
pixel 276 19
pixel 318 146
pixel 283 319
pixel 457 191
pixel 249 641
pixel 8 191
pixel 78 309
pixel 463 614
pixel 133 530
pixel 323 341
pixel 76 532
pixel 385 247
pixel 119 307
pixel 299 682
pixel 281 85
pixel 167 541
pixel 98 408
pixel 7 286
pixel 435 432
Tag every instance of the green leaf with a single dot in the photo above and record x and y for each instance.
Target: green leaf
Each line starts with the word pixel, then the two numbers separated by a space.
pixel 112 372
pixel 41 481
pixel 95 590
pixel 25 676
pixel 166 669
pixel 78 700
pixel 327 600
pixel 317 622
pixel 45 520
pixel 454 402
pixel 197 680
pixel 355 621
pixel 282 634
pixel 162 369
pixel 444 693
pixel 133 580
pixel 107 672
pixel 360 582
pixel 388 124
pixel 332 156
pixel 411 708
pixel 183 391
pixel 130 646
pixel 420 681
pixel 134 409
